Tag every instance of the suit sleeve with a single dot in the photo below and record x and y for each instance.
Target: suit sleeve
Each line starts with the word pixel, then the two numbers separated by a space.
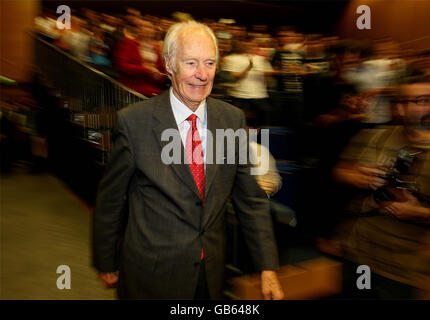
pixel 109 212
pixel 253 211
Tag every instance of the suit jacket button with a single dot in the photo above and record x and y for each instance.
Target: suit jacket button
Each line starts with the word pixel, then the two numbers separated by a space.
pixel 199 203
pixel 202 232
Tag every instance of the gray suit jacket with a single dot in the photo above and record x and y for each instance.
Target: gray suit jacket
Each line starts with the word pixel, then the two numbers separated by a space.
pixel 158 255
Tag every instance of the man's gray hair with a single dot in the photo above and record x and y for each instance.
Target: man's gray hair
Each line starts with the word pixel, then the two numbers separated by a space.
pixel 170 45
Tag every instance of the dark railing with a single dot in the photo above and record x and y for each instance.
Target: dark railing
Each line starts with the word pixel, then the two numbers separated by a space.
pixel 90 97
pixel 80 104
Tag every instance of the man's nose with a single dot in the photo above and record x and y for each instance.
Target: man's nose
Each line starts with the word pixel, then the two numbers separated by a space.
pixel 201 73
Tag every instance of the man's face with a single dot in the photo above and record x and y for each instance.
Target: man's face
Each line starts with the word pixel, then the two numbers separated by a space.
pixel 416 106
pixel 195 67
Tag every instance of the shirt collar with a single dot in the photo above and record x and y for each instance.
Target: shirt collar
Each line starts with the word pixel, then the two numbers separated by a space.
pixel 182 112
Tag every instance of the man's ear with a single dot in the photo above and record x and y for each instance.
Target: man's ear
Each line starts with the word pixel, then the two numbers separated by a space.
pixel 168 66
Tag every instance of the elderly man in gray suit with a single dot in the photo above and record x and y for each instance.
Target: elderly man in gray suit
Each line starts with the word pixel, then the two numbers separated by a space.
pixel 174 242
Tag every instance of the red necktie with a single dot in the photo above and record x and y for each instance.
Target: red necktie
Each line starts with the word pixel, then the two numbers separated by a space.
pixel 194 153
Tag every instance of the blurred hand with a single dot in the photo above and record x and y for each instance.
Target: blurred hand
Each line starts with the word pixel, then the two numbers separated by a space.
pixel 327 120
pixel 369 177
pixel 110 279
pixel 270 286
pixel 356 116
pixel 411 209
pixel 268 186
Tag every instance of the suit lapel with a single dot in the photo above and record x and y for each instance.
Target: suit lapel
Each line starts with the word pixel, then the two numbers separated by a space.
pixel 166 120
pixel 213 124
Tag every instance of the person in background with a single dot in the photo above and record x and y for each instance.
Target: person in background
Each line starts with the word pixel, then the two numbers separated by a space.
pixel 46 26
pixel 98 48
pixel 249 92
pixel 76 40
pixel 388 171
pixel 150 49
pixel 134 72
pixel 288 60
pixel 112 27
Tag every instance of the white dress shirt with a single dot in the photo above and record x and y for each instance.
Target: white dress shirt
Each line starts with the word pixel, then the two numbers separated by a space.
pixel 181 112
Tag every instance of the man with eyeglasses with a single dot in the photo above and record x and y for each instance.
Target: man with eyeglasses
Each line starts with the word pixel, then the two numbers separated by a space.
pixel 388 226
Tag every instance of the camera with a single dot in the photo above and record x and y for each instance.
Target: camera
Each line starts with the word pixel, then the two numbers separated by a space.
pixel 399 176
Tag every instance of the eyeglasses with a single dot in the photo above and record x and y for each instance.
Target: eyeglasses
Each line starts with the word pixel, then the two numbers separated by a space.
pixel 419 101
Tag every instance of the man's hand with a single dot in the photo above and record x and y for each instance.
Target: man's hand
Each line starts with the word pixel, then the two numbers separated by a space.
pixel 369 177
pixel 110 279
pixel 411 209
pixel 268 186
pixel 360 176
pixel 270 286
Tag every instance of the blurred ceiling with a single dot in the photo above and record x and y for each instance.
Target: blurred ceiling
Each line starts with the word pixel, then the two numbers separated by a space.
pixel 310 16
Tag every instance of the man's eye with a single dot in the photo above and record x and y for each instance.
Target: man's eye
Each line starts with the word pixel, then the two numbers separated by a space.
pixel 190 63
pixel 210 64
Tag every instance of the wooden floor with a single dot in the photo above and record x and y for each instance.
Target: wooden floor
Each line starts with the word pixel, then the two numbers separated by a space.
pixel 44 225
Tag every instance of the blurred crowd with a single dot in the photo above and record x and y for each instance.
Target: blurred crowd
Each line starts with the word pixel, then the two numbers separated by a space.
pixel 344 99
pixel 280 76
